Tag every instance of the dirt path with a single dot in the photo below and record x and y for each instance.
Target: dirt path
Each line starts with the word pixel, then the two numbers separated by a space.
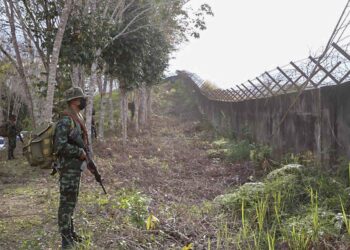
pixel 164 171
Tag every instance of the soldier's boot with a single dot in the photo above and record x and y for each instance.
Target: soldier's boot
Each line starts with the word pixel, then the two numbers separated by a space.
pixel 76 237
pixel 67 241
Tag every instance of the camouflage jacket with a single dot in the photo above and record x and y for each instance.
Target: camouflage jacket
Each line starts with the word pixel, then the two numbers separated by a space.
pixel 68 152
pixel 11 130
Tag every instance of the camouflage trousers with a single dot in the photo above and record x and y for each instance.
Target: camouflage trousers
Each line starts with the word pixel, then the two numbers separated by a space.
pixel 69 191
pixel 12 147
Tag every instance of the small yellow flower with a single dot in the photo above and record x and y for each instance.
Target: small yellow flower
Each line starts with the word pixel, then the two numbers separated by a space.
pixel 189 246
pixel 152 222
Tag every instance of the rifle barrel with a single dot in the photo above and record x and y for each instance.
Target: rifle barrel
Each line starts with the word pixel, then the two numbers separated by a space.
pixel 104 190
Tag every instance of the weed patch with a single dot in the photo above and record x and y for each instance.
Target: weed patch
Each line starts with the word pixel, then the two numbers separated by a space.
pixel 294 205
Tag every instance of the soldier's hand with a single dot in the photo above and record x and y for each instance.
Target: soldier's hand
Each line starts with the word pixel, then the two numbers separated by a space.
pixel 83 156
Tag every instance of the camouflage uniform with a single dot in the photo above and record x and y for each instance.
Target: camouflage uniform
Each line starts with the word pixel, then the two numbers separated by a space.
pixel 12 135
pixel 70 168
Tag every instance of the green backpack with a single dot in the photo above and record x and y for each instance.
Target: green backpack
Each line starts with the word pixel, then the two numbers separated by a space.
pixel 39 150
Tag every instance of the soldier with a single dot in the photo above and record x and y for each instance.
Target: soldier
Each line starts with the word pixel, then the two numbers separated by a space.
pixel 12 136
pixel 71 159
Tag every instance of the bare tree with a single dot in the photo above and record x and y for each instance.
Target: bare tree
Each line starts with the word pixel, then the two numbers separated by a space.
pixel 54 59
pixel 17 62
pixel 14 93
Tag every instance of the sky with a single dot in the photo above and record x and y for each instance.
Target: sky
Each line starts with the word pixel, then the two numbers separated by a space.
pixel 248 37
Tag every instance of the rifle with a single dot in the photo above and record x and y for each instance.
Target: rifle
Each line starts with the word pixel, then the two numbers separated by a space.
pixel 75 138
pixel 93 168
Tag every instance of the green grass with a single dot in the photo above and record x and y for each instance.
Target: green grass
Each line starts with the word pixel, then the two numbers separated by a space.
pixel 294 206
pixel 238 151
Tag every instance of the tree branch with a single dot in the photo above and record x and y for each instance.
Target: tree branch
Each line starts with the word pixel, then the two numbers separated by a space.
pixel 136 29
pixel 9 9
pixel 29 33
pixel 127 26
pixel 117 7
pixel 106 9
pixel 13 62
pixel 32 18
pixel 119 15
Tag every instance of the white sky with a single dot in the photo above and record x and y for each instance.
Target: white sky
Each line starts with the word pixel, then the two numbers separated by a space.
pixel 247 37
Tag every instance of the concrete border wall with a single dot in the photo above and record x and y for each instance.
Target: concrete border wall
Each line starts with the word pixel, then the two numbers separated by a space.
pixel 318 122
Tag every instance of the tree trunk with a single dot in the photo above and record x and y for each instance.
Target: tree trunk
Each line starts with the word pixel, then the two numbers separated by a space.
pixel 143 105
pixel 2 90
pixel 111 106
pixel 137 109
pixel 102 108
pixel 81 77
pixel 124 114
pixel 29 46
pixel 90 103
pixel 19 66
pixel 149 105
pixel 76 75
pixel 54 59
pixel 1 116
pixel 99 83
pixel 17 105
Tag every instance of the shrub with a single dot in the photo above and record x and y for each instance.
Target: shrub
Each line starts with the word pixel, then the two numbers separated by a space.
pixel 261 155
pixel 217 153
pixel 291 191
pixel 249 192
pixel 221 143
pixel 135 205
pixel 239 151
pixel 285 170
pixel 329 189
pixel 305 159
pixel 298 230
